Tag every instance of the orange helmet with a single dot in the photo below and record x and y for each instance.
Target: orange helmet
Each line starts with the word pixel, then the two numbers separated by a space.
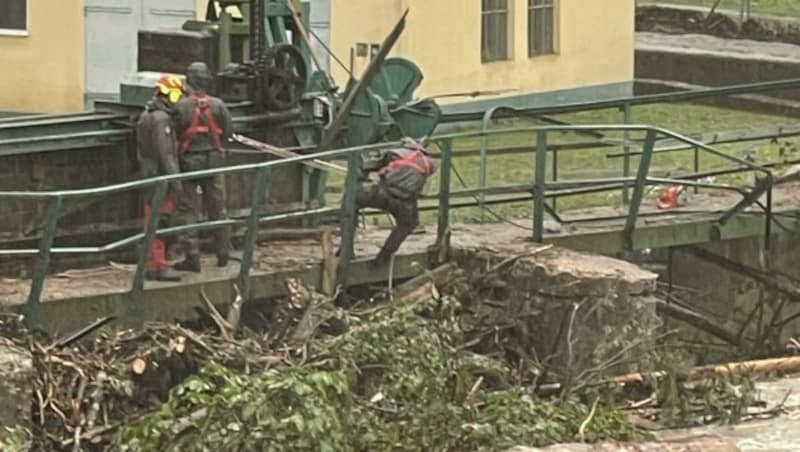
pixel 170 86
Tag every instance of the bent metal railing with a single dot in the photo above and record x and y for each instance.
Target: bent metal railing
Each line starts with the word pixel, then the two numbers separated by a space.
pixel 540 190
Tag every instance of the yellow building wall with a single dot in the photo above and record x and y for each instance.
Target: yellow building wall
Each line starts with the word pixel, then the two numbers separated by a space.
pixel 43 71
pixel 594 43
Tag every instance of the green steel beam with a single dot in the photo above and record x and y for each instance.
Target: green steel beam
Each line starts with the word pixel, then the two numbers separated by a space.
pixel 260 194
pixel 539 182
pixel 664 234
pixel 638 189
pixel 42 261
pixel 348 217
pixel 444 190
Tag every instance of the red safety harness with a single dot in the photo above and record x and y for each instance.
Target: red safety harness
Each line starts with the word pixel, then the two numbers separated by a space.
pixel 208 126
pixel 409 161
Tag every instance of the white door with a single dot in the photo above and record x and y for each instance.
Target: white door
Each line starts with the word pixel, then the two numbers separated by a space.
pixel 111 36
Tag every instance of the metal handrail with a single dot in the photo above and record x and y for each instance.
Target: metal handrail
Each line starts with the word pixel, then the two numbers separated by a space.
pixel 347 211
pixel 625 104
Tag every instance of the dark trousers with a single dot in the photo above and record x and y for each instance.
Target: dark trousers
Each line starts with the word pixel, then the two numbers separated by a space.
pixel 190 210
pixel 404 212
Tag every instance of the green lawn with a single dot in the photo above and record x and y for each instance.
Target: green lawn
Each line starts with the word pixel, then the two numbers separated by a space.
pixel 776 7
pixel 595 163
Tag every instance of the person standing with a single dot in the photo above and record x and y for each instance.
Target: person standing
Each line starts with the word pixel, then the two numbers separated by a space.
pixel 157 149
pixel 204 125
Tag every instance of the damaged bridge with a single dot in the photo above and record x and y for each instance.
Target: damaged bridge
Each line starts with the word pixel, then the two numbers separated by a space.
pixel 718 212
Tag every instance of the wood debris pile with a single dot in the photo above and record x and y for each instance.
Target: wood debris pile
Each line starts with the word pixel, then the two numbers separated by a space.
pixel 87 387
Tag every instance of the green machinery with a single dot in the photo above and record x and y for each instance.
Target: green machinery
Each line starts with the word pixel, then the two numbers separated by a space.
pixel 268 74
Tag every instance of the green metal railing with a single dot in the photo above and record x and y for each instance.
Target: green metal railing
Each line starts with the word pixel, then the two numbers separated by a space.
pixel 540 189
pixel 625 106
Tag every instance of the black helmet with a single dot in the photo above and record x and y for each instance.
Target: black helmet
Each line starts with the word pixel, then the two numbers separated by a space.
pixel 198 76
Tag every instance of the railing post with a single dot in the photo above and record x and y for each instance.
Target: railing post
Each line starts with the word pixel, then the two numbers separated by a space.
pixel 554 202
pixel 444 190
pixel 306 193
pixel 348 219
pixel 260 191
pixel 627 117
pixel 42 261
pixel 159 193
pixel 540 173
pixel 696 166
pixel 638 189
pixel 484 157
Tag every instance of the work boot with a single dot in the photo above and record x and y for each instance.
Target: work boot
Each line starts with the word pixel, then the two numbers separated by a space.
pixel 222 260
pixel 162 275
pixel 190 264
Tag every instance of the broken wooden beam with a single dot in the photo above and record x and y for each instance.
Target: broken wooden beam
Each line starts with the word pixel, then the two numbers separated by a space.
pixel 697 320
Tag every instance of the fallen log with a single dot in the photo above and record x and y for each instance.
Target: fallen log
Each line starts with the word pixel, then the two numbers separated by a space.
pixel 704 443
pixel 697 320
pixel 762 366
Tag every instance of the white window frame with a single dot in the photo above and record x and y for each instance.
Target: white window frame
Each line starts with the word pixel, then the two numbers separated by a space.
pixel 20 32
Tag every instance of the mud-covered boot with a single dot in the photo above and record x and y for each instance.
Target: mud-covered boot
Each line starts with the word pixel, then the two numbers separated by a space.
pixel 190 264
pixel 163 275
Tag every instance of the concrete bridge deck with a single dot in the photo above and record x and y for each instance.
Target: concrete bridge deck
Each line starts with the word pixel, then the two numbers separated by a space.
pixel 73 297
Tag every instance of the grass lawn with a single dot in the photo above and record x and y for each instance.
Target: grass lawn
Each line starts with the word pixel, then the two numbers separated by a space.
pixel 776 7
pixel 595 163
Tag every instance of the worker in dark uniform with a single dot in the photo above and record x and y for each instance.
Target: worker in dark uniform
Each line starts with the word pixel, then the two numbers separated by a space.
pixel 158 156
pixel 204 125
pixel 403 172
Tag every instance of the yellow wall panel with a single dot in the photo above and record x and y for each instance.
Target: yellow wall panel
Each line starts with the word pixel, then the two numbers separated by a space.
pixel 595 43
pixel 43 71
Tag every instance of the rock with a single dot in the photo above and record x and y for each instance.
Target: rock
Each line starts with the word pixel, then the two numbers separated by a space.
pixel 16 375
pixel 542 291
pixel 704 443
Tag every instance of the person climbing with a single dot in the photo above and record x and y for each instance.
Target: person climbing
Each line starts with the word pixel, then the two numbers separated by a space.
pixel 204 125
pixel 402 173
pixel 157 149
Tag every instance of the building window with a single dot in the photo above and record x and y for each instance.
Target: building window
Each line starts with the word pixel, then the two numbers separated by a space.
pixel 494 30
pixel 541 27
pixel 14 17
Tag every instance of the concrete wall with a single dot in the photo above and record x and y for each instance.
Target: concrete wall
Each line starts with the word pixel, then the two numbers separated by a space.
pixel 715 69
pixel 43 71
pixel 595 41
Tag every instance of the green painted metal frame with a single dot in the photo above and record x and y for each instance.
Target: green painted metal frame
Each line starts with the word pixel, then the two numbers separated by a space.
pixel 623 104
pixel 260 194
pixel 348 209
